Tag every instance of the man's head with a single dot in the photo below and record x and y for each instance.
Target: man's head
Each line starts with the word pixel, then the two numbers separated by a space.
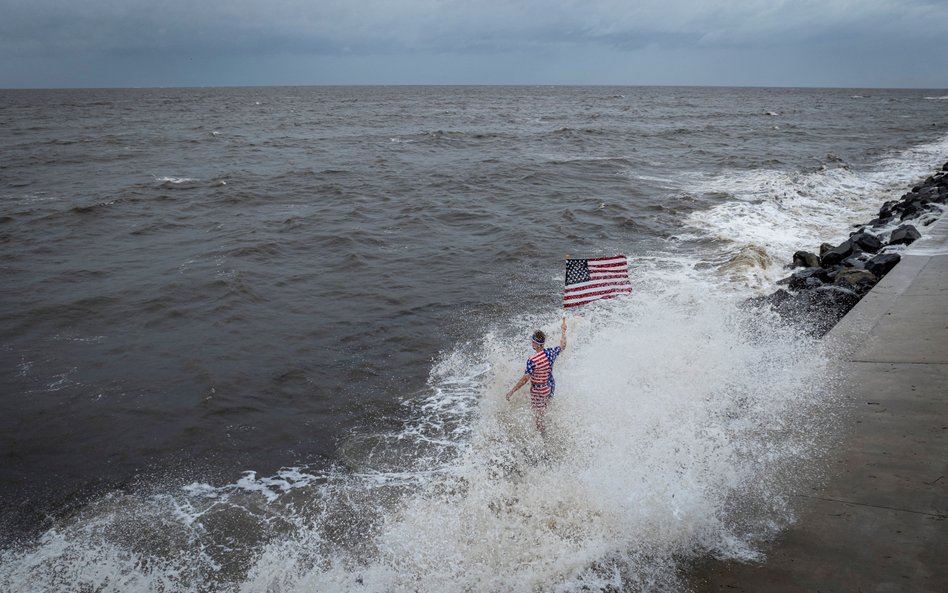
pixel 539 338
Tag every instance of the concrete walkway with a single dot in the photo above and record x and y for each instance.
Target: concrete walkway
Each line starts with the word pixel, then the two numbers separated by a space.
pixel 880 521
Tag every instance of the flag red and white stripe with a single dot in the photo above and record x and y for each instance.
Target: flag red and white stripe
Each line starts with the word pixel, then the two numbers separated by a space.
pixel 593 279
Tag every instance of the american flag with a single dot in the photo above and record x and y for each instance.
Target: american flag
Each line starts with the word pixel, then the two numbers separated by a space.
pixel 589 280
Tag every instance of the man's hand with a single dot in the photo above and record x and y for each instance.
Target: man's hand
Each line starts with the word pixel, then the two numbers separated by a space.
pixel 520 383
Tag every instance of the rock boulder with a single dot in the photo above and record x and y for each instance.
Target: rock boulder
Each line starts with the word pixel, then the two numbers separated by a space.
pixel 808 278
pixel 904 235
pixel 859 281
pixel 881 265
pixel 837 254
pixel 817 310
pixel 866 242
pixel 806 259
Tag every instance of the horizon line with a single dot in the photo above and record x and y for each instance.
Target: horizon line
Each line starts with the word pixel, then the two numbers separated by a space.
pixel 448 85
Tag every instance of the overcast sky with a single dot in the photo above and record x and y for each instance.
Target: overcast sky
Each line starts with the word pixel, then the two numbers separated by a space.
pixel 840 43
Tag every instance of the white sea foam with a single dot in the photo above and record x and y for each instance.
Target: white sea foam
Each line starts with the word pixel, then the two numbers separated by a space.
pixel 777 212
pixel 677 431
pixel 674 435
pixel 176 180
pixel 62 380
pixel 681 429
pixel 24 367
pixel 662 181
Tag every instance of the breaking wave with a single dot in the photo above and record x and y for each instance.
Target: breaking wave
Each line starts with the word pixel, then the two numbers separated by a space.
pixel 678 430
pixel 776 212
pixel 683 427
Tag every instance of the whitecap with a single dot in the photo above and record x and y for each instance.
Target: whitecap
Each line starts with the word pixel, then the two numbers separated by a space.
pixel 784 211
pixel 175 180
pixel 675 433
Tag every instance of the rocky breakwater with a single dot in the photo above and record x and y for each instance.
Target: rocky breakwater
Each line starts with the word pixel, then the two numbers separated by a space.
pixel 825 287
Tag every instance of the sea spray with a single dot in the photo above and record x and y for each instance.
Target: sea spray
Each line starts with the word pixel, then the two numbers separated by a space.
pixel 682 426
pixel 679 429
pixel 770 213
pixel 675 433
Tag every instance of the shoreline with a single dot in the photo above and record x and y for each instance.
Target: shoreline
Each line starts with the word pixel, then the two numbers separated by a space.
pixel 823 288
pixel 878 520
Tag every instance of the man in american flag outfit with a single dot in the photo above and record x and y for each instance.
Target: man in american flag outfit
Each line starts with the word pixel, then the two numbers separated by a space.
pixel 539 373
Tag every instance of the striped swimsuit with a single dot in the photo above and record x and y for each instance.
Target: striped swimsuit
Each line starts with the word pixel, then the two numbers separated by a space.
pixel 540 369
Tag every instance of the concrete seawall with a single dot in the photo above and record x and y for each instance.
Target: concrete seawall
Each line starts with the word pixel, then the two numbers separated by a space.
pixel 879 522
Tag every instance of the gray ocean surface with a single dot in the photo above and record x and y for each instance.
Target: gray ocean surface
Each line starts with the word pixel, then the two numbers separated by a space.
pixel 204 286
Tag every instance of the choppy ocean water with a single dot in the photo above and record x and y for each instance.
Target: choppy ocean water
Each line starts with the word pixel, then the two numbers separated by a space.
pixel 257 339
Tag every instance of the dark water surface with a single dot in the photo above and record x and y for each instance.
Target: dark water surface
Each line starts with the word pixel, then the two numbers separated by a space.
pixel 199 282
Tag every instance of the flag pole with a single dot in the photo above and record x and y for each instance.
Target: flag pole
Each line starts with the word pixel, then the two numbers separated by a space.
pixel 563 323
pixel 566 257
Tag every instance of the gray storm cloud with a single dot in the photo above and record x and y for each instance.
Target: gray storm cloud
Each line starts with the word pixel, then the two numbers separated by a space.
pixel 765 42
pixel 366 26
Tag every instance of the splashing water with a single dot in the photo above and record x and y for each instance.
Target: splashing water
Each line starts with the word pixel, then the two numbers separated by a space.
pixel 682 427
pixel 674 433
pixel 770 214
pixel 678 430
